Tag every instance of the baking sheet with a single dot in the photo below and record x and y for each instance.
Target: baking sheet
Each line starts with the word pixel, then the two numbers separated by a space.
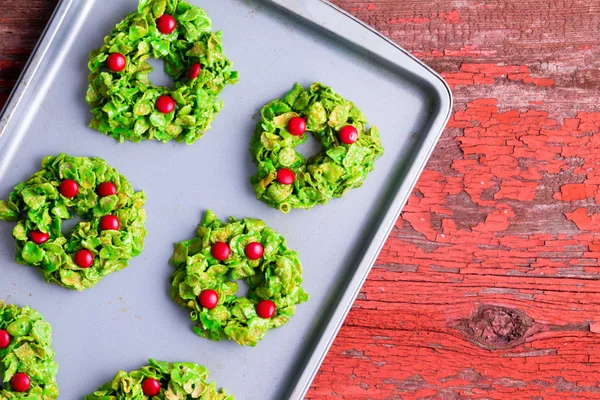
pixel 129 316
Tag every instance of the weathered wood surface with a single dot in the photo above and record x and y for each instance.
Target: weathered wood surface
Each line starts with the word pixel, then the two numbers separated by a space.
pixel 489 287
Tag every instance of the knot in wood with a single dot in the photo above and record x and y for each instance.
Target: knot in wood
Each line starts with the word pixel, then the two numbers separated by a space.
pixel 495 327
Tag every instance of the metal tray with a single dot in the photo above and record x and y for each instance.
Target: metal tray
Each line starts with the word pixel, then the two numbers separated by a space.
pixel 129 316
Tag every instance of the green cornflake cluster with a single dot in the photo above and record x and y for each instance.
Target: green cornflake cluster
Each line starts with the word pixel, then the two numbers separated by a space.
pixel 29 352
pixel 178 381
pixel 337 169
pixel 38 205
pixel 276 276
pixel 123 103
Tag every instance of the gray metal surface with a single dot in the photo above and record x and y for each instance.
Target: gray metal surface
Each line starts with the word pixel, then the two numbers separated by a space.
pixel 129 316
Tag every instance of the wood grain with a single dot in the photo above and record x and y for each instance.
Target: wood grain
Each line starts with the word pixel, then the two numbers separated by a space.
pixel 488 287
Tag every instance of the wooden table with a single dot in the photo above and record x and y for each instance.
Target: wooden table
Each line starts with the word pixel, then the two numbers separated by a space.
pixel 488 287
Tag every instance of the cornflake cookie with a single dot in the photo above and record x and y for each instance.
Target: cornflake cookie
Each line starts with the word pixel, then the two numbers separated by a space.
pixel 27 367
pixel 285 179
pixel 125 104
pixel 207 267
pixel 161 381
pixel 111 234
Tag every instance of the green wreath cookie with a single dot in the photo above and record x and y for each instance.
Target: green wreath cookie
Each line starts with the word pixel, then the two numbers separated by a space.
pixel 124 102
pixel 27 364
pixel 285 180
pixel 161 381
pixel 112 231
pixel 207 267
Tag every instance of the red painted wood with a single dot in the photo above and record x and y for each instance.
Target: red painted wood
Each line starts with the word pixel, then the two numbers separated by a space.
pixel 488 287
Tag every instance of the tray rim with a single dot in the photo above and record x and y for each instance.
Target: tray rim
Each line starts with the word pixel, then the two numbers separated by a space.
pixel 301 382
pixel 33 62
pixel 337 318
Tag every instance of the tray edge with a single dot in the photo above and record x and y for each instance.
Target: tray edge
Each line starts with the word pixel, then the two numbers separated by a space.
pixel 442 90
pixel 39 51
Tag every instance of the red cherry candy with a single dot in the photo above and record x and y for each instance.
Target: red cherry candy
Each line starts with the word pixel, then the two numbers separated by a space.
pixel 84 258
pixel 109 223
pixel 106 189
pixel 348 134
pixel 208 298
pixel 4 339
pixel 116 62
pixel 285 176
pixel 68 188
pixel 297 126
pixel 38 237
pixel 265 309
pixel 166 24
pixel 151 387
pixel 165 104
pixel 194 70
pixel 20 382
pixel 220 251
pixel 254 250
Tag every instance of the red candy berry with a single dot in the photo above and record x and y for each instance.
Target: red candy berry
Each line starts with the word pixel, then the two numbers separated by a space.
pixel 165 104
pixel 20 382
pixel 220 251
pixel 106 189
pixel 116 62
pixel 254 250
pixel 285 176
pixel 4 339
pixel 151 387
pixel 84 258
pixel 68 188
pixel 194 70
pixel 348 134
pixel 166 24
pixel 109 223
pixel 297 126
pixel 265 309
pixel 38 237
pixel 208 298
